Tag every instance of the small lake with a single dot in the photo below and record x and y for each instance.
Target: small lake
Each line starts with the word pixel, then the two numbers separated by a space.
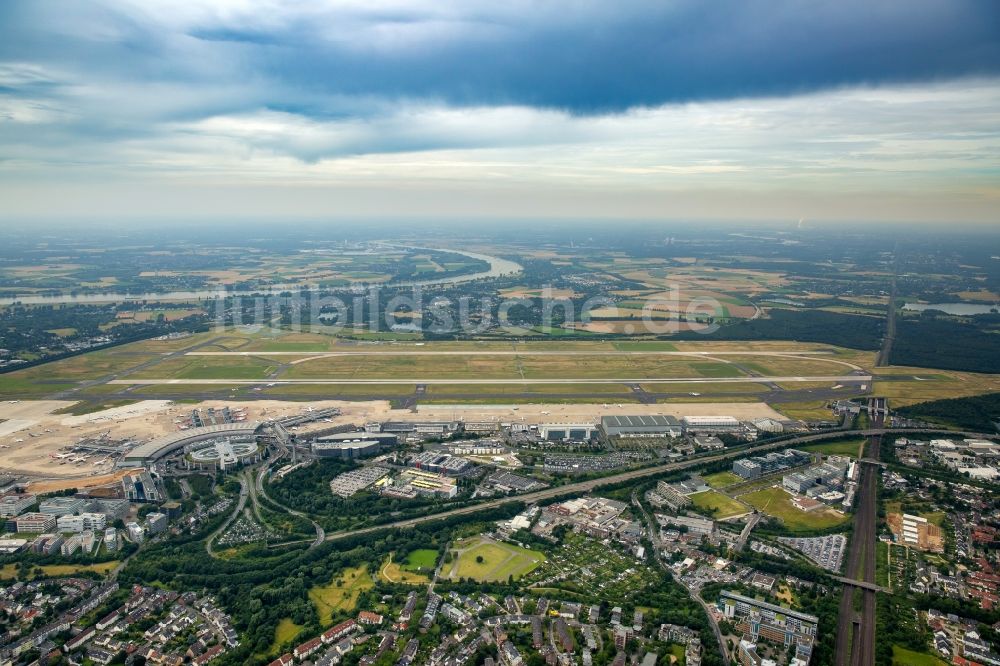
pixel 951 308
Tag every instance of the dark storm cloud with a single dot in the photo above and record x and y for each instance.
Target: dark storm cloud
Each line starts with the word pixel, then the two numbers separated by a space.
pixel 595 61
pixel 584 57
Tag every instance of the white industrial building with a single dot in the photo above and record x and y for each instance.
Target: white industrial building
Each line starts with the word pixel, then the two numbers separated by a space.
pixel 711 424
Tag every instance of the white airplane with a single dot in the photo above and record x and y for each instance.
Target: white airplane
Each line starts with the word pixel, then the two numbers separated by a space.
pixel 694 394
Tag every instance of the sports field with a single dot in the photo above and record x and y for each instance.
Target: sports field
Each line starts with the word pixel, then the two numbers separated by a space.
pixel 483 559
pixel 777 502
pixel 722 507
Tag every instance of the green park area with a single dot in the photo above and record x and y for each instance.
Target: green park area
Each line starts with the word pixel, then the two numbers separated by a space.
pixel 903 657
pixel 721 479
pixel 414 570
pixel 850 447
pixel 483 559
pixel 341 594
pixel 720 505
pixel 777 502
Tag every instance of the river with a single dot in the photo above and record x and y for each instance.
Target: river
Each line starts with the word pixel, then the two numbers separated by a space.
pixel 498 268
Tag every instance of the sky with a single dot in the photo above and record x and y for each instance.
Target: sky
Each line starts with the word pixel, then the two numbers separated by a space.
pixel 842 110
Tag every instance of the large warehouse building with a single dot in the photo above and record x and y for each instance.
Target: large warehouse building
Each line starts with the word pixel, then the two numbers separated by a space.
pixel 555 432
pixel 711 424
pixel 352 444
pixel 655 425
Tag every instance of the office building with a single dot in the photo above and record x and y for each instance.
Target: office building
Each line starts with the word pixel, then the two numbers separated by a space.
pixel 762 619
pixel 156 522
pixel 13 504
pixel 111 539
pixel 136 534
pixel 61 506
pixel 35 522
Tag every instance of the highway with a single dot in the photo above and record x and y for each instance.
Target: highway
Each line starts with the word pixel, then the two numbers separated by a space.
pixel 882 359
pixel 631 475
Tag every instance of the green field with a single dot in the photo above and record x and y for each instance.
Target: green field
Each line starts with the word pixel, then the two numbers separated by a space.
pixel 903 657
pixel 777 502
pixel 423 559
pixel 721 506
pixel 722 479
pixel 341 595
pixel 850 448
pixel 815 410
pixel 392 572
pixel 209 367
pixel 286 631
pixel 9 571
pixel 483 559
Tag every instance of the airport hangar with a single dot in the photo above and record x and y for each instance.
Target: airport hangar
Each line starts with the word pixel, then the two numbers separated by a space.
pixel 654 425
pixel 153 450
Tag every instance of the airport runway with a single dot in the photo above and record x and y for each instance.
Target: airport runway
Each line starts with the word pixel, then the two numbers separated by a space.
pixel 511 352
pixel 840 379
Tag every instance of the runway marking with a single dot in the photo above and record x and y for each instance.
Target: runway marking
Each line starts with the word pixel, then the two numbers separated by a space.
pixel 425 380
